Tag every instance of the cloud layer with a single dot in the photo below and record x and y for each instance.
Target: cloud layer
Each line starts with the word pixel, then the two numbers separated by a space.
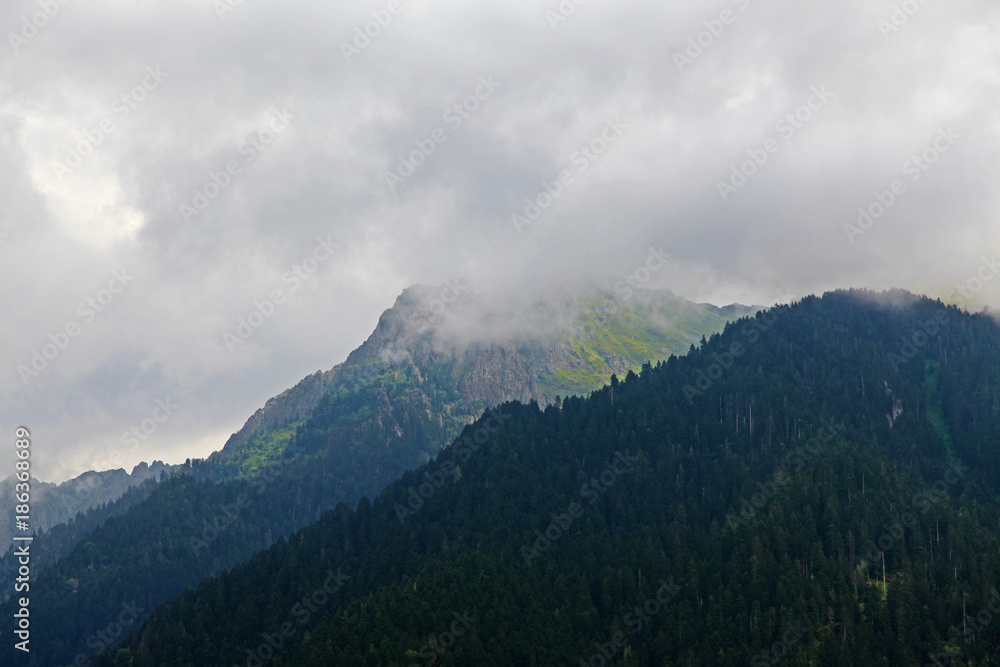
pixel 298 164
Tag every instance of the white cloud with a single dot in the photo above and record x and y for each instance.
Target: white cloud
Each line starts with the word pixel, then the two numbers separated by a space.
pixel 325 175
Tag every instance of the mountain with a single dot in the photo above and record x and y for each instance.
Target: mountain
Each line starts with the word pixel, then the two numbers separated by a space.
pixel 426 372
pixel 474 353
pixel 59 541
pixel 54 504
pixel 818 484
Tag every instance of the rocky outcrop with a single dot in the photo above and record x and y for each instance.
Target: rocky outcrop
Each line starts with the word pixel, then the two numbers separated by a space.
pixel 52 504
pixel 451 350
pixel 289 406
pixel 496 374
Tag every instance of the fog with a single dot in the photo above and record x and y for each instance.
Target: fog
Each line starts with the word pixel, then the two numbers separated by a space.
pixel 175 175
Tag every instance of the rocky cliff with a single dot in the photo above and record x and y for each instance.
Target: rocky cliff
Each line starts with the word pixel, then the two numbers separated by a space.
pixel 445 355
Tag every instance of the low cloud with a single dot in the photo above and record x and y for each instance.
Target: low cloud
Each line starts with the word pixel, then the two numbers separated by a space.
pixel 67 74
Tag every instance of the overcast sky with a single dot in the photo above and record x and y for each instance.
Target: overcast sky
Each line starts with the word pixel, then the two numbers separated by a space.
pixel 166 166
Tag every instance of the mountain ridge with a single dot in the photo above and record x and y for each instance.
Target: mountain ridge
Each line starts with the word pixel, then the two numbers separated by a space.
pixel 860 534
pixel 391 406
pixel 564 345
pixel 55 504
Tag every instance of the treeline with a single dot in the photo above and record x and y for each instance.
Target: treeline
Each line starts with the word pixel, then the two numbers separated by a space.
pixel 790 492
pixel 192 526
pixel 59 541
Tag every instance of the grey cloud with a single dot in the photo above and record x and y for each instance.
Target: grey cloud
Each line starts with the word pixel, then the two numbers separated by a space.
pixel 325 176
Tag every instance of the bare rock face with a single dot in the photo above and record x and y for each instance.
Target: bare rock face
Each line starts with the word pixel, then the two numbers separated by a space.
pixel 499 373
pixel 289 406
pixel 436 360
pixel 445 354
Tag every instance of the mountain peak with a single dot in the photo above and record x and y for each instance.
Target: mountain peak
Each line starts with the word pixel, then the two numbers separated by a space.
pixel 456 351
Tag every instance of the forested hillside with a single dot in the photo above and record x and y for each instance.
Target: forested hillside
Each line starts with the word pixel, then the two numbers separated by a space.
pixel 56 504
pixel 335 437
pixel 816 485
pixel 57 542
